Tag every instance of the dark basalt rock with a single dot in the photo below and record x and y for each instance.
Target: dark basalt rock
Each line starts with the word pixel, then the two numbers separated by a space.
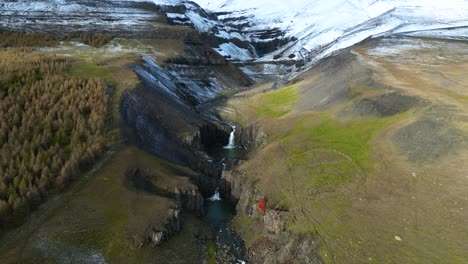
pixel 285 248
pixel 144 127
pixel 274 243
pixel 212 136
pixel 259 42
pixel 160 116
pixel 190 198
pixel 111 17
pixel 161 227
pixel 249 137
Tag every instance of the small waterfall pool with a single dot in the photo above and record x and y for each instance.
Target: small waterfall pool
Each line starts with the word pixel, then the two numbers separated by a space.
pixel 229 151
pixel 229 246
pixel 218 211
pixel 216 196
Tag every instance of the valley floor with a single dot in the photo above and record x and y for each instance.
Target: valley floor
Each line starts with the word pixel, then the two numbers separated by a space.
pixel 363 157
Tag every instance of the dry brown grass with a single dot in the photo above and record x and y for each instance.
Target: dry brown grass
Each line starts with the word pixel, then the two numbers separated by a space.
pixel 423 203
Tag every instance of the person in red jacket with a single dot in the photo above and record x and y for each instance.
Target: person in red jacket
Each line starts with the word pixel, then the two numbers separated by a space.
pixel 262 204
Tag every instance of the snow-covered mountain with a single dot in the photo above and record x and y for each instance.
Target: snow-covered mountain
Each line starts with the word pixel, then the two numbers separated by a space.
pixel 294 32
pixel 315 28
pixel 122 17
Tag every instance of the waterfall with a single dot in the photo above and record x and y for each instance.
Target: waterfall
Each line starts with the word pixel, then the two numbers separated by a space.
pixel 215 196
pixel 224 169
pixel 231 143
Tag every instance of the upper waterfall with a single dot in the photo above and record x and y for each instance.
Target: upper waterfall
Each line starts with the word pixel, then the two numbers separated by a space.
pixel 231 143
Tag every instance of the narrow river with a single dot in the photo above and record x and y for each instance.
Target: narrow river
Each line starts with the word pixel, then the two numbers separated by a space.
pixel 229 247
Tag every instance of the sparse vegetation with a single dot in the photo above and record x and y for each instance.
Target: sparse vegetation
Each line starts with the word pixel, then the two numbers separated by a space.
pixel 227 93
pixel 21 39
pixel 97 40
pixel 250 227
pixel 275 103
pixel 378 175
pixel 211 246
pixel 87 69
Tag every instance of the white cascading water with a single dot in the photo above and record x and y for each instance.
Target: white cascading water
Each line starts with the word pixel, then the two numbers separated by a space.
pixel 216 196
pixel 231 143
pixel 224 169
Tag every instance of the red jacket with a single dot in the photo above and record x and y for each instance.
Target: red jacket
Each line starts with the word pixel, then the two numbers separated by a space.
pixel 262 205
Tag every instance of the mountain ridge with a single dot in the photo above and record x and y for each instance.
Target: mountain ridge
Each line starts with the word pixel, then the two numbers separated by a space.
pixel 293 34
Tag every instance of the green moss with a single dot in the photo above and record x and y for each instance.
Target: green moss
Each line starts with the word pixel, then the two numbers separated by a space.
pixel 249 228
pixel 90 69
pixel 211 251
pixel 276 103
pixel 227 93
pixel 243 221
pixel 330 152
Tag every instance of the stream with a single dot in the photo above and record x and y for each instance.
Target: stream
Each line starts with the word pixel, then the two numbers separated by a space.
pixel 229 246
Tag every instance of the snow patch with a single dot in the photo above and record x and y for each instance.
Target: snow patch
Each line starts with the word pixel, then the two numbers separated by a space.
pixel 231 50
pixel 322 27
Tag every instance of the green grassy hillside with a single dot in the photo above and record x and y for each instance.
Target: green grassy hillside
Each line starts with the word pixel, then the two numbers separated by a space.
pixel 368 153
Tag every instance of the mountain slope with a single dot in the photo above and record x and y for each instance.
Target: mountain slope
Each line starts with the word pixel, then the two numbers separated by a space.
pixel 367 151
pixel 241 30
pixel 317 28
pixel 65 16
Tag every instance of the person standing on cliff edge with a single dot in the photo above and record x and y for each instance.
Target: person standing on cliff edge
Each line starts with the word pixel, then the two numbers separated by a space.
pixel 262 204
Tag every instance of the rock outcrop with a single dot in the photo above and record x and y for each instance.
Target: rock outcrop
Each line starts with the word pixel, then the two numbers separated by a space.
pixel 284 248
pixel 189 198
pixel 249 137
pixel 273 242
pixel 160 229
pixel 273 221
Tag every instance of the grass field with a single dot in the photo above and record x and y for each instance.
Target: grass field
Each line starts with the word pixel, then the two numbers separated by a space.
pixel 275 103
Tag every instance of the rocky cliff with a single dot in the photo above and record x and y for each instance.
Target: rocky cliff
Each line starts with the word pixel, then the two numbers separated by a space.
pixel 265 232
pixel 161 226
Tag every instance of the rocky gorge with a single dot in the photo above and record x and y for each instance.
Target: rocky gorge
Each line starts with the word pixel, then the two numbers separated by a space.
pixel 276 245
pixel 278 156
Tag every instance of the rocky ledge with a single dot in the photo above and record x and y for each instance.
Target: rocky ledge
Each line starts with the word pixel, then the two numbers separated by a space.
pixel 160 226
pixel 263 227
